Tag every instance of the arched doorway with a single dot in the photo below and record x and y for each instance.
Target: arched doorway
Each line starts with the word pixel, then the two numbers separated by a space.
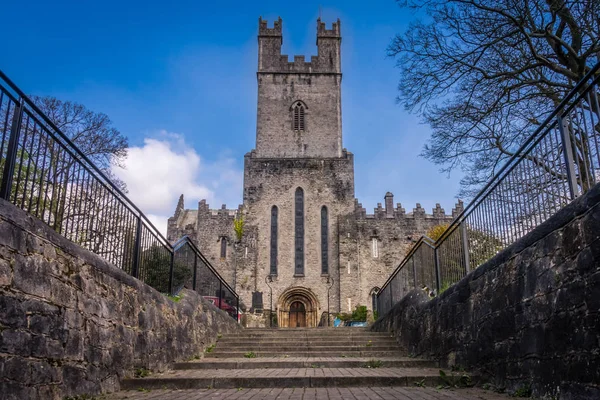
pixel 298 307
pixel 297 315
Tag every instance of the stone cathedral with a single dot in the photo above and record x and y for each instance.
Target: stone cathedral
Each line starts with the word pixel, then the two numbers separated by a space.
pixel 307 244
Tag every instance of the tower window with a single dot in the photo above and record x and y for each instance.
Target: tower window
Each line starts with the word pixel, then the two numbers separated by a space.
pixel 299 232
pixel 374 248
pixel 273 269
pixel 298 111
pixel 223 247
pixel 324 241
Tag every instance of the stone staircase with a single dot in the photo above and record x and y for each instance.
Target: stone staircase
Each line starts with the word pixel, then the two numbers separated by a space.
pixel 296 358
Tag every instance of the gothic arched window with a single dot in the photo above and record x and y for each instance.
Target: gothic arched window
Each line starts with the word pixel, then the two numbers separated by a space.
pixel 298 111
pixel 324 241
pixel 299 232
pixel 274 240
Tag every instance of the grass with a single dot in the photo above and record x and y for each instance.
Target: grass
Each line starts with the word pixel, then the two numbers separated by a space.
pixel 373 364
pixel 210 348
pixel 141 373
pixel 523 391
pixel 455 381
pixel 250 354
pixel 369 343
pixel 177 298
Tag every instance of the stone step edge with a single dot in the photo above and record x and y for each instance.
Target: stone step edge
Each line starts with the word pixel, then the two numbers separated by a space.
pixel 307 347
pixel 237 363
pixel 316 354
pixel 278 382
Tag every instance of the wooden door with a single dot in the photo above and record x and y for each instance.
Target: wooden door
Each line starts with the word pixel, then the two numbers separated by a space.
pixel 297 315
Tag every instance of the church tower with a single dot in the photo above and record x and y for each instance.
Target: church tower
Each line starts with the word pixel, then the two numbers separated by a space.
pixel 299 102
pixel 308 247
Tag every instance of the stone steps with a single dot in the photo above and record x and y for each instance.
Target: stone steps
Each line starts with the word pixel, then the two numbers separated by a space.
pixel 285 354
pixel 286 378
pixel 300 348
pixel 305 362
pixel 297 358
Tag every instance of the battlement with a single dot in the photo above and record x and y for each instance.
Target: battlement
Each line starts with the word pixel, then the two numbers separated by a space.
pixel 271 60
pixel 264 30
pixel 205 210
pixel 389 212
pixel 335 30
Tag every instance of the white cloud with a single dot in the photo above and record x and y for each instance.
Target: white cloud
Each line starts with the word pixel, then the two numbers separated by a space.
pixel 157 172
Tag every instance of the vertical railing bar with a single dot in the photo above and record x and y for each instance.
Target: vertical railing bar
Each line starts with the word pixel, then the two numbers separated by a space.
pixel 136 248
pixel 4 135
pixel 568 153
pixel 35 168
pixel 171 272
pixel 465 246
pixel 11 153
pixel 29 163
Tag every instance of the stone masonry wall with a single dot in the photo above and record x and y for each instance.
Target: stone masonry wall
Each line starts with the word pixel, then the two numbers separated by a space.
pixel 273 182
pixel 529 317
pixel 361 270
pixel 71 323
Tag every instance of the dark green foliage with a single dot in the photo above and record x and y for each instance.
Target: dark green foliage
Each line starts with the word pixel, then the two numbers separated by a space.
pixel 359 314
pixel 155 268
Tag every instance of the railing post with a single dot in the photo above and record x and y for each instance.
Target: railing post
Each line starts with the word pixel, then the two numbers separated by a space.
pixel 11 152
pixel 569 159
pixel 436 264
pixel 465 245
pixel 237 310
pixel 195 271
pixel 137 244
pixel 220 293
pixel 171 268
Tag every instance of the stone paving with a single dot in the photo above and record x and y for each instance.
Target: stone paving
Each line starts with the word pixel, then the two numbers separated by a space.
pixel 358 393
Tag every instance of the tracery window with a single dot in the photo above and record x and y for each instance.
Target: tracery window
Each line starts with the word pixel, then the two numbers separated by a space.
pixel 273 264
pixel 299 232
pixel 324 241
pixel 298 111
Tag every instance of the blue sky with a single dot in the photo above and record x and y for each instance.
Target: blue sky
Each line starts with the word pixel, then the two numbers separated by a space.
pixel 179 80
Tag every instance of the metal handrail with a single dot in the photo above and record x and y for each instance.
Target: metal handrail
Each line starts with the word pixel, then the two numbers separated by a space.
pixel 185 239
pixel 82 200
pixel 539 142
pixel 79 154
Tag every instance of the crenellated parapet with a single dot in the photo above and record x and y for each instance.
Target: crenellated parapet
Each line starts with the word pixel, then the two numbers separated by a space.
pixel 334 32
pixel 270 58
pixel 264 30
pixel 387 211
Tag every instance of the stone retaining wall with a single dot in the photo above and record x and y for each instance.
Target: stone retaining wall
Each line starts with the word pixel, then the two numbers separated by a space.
pixel 71 323
pixel 528 318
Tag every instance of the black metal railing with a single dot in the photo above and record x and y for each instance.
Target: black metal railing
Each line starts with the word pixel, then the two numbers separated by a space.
pixel 45 174
pixel 557 163
pixel 191 269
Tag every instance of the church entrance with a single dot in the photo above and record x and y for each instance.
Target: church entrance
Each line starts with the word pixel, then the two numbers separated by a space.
pixel 297 315
pixel 298 308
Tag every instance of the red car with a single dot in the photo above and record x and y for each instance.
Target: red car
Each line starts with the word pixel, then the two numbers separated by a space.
pixel 224 306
